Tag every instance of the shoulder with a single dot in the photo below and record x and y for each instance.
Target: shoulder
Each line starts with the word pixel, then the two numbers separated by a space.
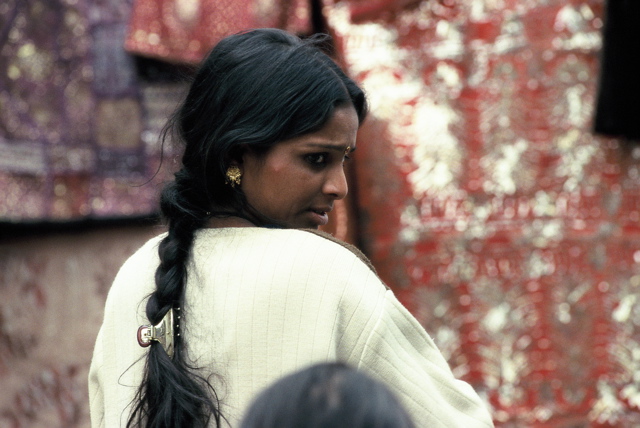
pixel 139 266
pixel 341 266
pixel 328 242
pixel 300 244
pixel 324 250
pixel 349 247
pixel 148 251
pixel 286 256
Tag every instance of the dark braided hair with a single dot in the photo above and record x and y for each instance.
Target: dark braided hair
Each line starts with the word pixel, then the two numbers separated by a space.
pixel 254 90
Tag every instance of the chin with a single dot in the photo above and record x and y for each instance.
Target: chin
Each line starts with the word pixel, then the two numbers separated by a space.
pixel 301 225
pixel 305 226
pixel 299 222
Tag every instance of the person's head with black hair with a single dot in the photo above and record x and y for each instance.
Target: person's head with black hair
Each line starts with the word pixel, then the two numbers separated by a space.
pixel 255 91
pixel 329 395
pixel 266 126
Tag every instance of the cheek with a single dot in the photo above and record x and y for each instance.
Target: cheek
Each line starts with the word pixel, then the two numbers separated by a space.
pixel 290 189
pixel 270 190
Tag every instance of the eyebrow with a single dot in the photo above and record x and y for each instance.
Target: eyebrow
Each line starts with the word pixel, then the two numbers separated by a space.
pixel 337 148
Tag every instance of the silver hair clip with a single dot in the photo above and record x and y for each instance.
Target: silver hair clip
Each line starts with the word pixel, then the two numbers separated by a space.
pixel 161 332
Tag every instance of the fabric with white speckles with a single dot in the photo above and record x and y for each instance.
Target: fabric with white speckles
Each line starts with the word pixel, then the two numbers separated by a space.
pixel 502 222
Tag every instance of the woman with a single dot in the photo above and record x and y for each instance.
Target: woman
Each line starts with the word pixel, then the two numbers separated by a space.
pixel 328 395
pixel 235 295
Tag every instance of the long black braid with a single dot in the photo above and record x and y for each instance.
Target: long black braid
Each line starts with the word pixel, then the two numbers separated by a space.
pixel 174 394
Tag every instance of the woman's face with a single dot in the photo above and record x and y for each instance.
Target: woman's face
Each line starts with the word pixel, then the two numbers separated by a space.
pixel 298 180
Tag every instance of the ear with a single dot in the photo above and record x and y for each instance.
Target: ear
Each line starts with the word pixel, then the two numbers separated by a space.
pixel 236 156
pixel 247 153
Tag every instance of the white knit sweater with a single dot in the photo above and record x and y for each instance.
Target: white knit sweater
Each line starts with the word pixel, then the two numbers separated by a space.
pixel 261 303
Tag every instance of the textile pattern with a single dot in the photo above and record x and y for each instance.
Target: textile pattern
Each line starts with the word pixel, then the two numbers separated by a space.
pixel 185 30
pixel 79 120
pixel 504 224
pixel 78 128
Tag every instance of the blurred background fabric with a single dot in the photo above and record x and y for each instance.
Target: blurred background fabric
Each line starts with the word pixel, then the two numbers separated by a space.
pixel 78 128
pixel 185 30
pixel 479 189
pixel 504 224
pixel 80 119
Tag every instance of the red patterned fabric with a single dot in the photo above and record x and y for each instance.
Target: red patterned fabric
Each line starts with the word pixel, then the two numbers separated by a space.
pixel 502 222
pixel 185 30
pixel 362 10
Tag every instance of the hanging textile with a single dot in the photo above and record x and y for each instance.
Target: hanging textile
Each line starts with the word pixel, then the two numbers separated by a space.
pixel 487 204
pixel 363 10
pixel 77 128
pixel 185 30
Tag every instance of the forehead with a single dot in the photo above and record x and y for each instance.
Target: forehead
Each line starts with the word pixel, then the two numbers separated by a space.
pixel 339 133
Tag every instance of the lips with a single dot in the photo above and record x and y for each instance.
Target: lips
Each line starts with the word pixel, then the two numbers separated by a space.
pixel 320 216
pixel 321 210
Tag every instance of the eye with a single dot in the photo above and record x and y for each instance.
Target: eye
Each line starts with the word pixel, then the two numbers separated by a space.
pixel 316 159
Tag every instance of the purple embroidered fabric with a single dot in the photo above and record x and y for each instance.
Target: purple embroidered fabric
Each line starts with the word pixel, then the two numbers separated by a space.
pixel 78 129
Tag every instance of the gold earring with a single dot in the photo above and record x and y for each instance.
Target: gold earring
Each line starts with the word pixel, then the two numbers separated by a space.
pixel 234 176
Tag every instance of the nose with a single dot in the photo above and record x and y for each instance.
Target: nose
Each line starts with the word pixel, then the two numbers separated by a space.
pixel 336 183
